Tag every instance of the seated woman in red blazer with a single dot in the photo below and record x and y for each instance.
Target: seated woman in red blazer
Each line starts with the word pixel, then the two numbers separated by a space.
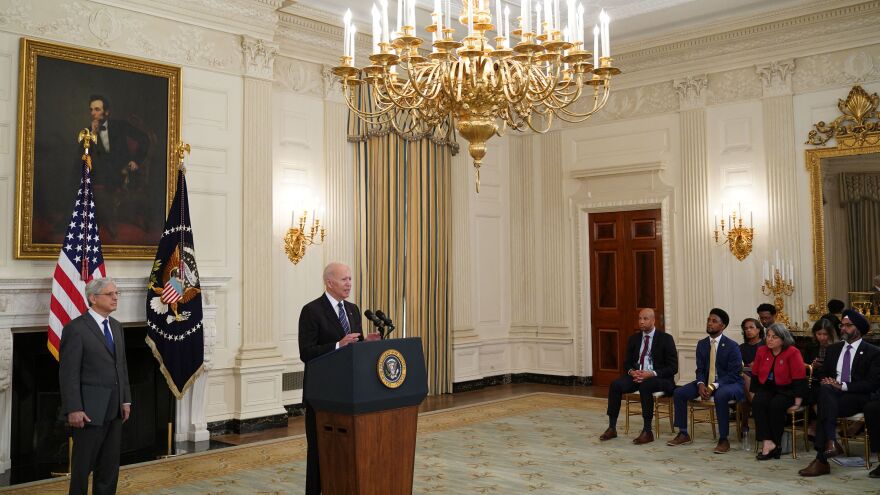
pixel 779 384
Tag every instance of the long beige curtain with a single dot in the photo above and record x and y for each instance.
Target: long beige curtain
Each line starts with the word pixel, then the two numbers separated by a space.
pixel 403 192
pixel 860 194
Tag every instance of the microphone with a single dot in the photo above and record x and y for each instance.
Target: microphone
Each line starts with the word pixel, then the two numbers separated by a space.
pixel 386 320
pixel 377 322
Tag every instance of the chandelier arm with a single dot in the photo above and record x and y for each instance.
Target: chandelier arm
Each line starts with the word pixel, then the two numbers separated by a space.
pixel 364 115
pixel 508 82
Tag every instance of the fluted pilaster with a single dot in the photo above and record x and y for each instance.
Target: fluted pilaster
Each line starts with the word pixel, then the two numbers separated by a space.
pixel 782 212
pixel 523 259
pixel 696 268
pixel 257 331
pixel 463 327
pixel 554 304
pixel 339 246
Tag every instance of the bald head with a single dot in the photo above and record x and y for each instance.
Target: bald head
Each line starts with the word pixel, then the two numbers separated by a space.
pixel 646 320
pixel 337 280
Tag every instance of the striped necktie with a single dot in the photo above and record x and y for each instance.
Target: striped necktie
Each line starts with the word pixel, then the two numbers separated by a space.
pixel 342 319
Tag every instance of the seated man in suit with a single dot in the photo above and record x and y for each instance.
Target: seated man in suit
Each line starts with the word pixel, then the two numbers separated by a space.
pixel 651 362
pixel 719 377
pixel 856 366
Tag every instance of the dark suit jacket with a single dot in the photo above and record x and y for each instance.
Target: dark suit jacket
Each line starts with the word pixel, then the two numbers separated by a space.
pixel 865 371
pixel 728 362
pixel 85 360
pixel 319 327
pixel 663 354
pixel 127 143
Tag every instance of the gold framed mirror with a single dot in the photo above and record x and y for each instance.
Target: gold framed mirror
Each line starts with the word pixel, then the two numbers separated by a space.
pixel 845 201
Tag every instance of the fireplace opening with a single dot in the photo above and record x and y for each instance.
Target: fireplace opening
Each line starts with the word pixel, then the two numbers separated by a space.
pixel 39 442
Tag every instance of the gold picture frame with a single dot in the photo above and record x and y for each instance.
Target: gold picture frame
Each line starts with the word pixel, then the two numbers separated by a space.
pixel 855 132
pixel 63 89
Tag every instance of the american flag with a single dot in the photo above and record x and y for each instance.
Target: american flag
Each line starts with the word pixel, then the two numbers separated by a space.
pixel 79 262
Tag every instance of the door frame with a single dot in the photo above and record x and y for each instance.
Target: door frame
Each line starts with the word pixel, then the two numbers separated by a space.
pixel 582 282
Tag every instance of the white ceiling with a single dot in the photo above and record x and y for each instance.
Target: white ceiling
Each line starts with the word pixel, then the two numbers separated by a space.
pixel 632 21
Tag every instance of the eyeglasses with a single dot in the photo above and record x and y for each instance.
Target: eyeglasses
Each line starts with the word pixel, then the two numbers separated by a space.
pixel 846 325
pixel 111 294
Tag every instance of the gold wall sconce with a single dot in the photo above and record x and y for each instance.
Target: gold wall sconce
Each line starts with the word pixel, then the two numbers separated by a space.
pixel 298 238
pixel 737 236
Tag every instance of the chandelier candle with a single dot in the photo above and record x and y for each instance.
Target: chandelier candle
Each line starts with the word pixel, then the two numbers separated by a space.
pixel 523 84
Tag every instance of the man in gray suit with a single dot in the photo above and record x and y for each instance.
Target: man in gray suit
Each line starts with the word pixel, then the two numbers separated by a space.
pixel 95 395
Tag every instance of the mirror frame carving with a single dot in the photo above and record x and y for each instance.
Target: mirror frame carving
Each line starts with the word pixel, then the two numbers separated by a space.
pixel 856 132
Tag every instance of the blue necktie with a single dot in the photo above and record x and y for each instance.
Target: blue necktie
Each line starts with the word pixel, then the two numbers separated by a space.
pixel 343 320
pixel 108 337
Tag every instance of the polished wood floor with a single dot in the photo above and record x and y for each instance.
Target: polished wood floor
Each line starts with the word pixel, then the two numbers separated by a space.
pixel 296 426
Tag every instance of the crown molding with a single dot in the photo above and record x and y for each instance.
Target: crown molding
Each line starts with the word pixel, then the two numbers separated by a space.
pixel 825 31
pixel 255 18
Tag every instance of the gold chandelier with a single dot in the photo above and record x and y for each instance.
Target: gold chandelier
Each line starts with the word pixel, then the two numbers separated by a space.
pixel 524 86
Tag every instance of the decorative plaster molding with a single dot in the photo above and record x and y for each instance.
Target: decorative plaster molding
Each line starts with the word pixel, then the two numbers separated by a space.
pixel 842 68
pixel 634 168
pixel 258 57
pixel 124 30
pixel 691 91
pixel 733 85
pixel 776 77
pixel 731 42
pixel 300 77
pixel 5 358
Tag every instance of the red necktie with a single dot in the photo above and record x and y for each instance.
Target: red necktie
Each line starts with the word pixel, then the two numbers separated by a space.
pixel 644 353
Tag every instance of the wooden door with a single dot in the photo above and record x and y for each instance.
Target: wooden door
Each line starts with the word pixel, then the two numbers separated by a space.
pixel 626 274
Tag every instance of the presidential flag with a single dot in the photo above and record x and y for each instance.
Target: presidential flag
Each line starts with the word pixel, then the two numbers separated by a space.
pixel 174 300
pixel 79 262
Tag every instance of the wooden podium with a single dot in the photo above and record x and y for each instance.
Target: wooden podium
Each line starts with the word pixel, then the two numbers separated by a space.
pixel 366 398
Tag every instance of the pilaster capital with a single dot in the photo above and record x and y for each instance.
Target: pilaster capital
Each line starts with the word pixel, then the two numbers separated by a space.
pixel 691 91
pixel 332 85
pixel 258 56
pixel 776 77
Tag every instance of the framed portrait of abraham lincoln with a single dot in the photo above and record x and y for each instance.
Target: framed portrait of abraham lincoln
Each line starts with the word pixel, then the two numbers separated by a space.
pixel 132 107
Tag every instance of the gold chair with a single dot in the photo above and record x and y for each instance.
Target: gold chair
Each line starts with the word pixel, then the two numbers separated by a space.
pixel 700 405
pixel 864 437
pixel 660 400
pixel 804 420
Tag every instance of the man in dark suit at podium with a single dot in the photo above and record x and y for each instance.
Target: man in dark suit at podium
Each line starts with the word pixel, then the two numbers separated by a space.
pixel 326 324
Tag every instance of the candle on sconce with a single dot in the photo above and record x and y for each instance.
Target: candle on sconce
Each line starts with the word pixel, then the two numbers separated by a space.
pixel 346 20
pixel 777 258
pixel 605 22
pixel 791 272
pixel 351 43
pixel 766 270
pixel 507 23
pixel 499 18
pixel 596 45
pixel 538 19
pixel 384 4
pixel 377 28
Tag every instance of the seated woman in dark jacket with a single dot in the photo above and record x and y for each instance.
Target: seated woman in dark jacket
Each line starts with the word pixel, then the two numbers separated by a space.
pixel 753 337
pixel 779 385
pixel 824 334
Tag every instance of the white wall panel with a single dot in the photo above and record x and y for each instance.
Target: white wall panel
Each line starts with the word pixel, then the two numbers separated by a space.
pixel 209 159
pixel 735 153
pixel 209 210
pixel 489 278
pixel 206 106
pixel 298 157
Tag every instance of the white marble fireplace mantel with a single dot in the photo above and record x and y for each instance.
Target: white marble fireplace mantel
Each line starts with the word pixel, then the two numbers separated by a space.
pixel 24 307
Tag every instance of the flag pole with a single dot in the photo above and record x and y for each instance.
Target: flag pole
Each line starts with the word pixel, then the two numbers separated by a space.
pixel 87 138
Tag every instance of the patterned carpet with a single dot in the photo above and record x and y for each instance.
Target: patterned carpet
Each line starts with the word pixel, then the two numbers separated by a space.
pixel 539 443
